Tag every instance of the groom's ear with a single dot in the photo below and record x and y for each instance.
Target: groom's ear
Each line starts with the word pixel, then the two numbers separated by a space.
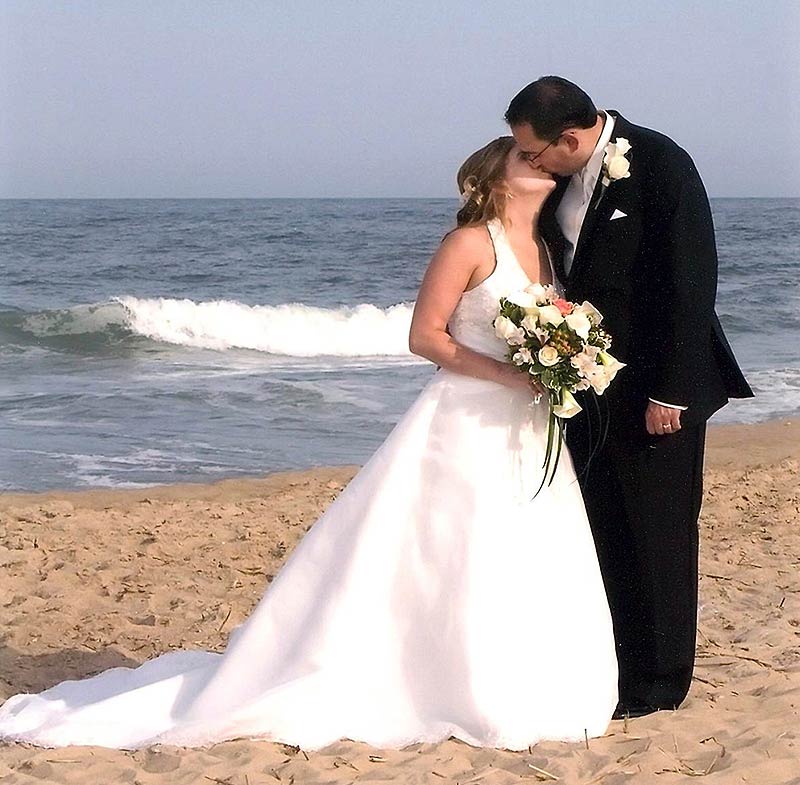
pixel 570 140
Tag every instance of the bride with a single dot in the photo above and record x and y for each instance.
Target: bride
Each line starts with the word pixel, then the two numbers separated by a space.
pixel 435 597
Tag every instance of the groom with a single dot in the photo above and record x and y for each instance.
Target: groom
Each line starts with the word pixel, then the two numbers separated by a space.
pixel 630 229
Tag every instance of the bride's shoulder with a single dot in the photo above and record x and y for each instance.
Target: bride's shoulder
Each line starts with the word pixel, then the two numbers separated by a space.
pixel 466 255
pixel 468 241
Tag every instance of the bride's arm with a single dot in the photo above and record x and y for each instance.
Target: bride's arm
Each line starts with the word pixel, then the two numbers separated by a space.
pixel 464 255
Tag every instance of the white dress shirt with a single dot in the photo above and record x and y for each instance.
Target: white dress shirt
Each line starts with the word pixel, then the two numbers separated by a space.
pixel 575 201
pixel 572 209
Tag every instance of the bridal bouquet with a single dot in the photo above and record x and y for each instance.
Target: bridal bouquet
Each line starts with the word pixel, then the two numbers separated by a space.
pixel 562 346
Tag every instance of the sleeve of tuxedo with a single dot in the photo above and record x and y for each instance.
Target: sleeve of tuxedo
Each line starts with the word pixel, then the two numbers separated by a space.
pixel 688 274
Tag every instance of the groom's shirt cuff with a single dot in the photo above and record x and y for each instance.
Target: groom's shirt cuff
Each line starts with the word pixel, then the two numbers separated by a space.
pixel 670 405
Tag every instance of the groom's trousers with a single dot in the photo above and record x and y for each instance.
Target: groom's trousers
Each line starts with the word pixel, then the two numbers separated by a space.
pixel 643 496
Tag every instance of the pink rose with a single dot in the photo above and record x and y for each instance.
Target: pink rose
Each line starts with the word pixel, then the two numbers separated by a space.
pixel 563 306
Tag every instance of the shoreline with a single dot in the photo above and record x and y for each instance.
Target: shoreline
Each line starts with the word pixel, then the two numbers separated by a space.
pixel 735 444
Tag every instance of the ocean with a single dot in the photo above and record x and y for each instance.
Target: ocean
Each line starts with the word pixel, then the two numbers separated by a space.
pixel 157 341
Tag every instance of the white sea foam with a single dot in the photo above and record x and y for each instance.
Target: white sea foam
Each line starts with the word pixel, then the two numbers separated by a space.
pixel 108 471
pixel 777 394
pixel 292 329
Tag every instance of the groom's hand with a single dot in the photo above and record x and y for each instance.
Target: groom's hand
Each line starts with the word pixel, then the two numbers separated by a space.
pixel 662 420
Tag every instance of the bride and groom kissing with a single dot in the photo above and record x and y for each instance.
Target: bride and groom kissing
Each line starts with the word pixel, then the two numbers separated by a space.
pixel 440 595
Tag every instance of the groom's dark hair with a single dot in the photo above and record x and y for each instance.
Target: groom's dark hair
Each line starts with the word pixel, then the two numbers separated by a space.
pixel 550 105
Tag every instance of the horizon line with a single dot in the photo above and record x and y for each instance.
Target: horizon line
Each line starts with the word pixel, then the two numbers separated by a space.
pixel 280 198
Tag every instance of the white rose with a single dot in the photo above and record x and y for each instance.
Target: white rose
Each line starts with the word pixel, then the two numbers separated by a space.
pixel 568 407
pixel 618 168
pixel 579 323
pixel 548 355
pixel 549 314
pixel 523 299
pixel 506 329
pixel 622 145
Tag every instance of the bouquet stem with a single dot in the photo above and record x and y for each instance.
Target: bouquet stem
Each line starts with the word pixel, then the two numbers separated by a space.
pixel 555 440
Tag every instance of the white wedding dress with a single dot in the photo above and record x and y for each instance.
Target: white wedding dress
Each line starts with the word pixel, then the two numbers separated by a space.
pixel 434 598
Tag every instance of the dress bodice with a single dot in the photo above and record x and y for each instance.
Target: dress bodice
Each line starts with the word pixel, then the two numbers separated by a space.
pixel 471 321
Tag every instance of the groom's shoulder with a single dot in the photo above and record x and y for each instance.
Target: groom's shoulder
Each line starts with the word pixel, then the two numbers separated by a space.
pixel 662 155
pixel 648 140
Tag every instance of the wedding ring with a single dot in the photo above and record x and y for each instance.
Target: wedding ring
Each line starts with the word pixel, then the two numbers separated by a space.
pixel 667 427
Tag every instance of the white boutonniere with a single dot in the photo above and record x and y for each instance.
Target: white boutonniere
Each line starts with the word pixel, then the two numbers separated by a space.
pixel 615 165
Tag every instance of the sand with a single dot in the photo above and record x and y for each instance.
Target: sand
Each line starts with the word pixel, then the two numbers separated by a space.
pixel 96 579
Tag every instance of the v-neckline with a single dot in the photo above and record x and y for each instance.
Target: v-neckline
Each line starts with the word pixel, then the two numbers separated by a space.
pixel 502 232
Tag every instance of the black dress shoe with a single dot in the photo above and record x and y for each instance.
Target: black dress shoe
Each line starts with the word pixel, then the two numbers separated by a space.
pixel 633 709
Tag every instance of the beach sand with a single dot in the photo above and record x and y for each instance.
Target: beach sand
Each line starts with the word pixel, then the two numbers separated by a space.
pixel 97 579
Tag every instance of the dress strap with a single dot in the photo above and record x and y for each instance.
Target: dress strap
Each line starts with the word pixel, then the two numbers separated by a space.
pixel 495 229
pixel 494 236
pixel 502 250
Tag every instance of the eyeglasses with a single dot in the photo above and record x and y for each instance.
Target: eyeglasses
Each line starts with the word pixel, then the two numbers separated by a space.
pixel 532 157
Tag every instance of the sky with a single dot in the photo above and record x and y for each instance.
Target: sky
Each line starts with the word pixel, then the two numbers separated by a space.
pixel 349 98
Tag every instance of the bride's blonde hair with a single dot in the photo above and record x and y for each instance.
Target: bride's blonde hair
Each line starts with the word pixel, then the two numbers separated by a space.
pixel 481 182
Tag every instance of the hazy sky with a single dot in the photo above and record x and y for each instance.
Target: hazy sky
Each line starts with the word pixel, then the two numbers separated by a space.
pixel 194 98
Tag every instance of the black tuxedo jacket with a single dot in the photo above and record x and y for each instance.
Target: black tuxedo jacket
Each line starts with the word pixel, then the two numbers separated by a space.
pixel 653 276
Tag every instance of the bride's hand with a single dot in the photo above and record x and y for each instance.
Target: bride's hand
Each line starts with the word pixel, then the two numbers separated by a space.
pixel 514 378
